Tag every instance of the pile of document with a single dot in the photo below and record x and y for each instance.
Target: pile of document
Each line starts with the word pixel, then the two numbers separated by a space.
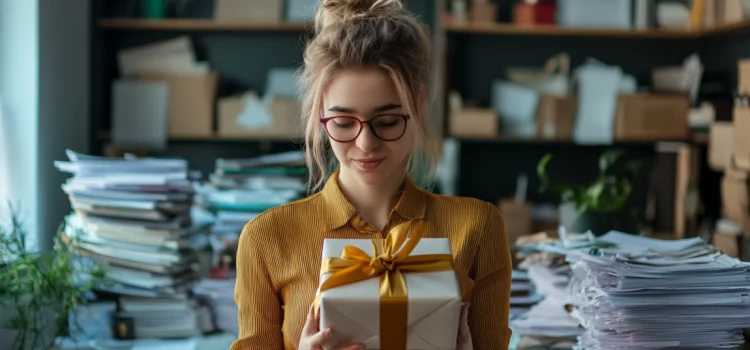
pixel 547 322
pixel 241 189
pixel 644 293
pixel 134 214
pixel 219 295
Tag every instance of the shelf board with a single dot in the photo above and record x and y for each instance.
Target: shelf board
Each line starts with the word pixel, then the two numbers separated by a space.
pixel 727 28
pixel 503 139
pixel 553 30
pixel 105 136
pixel 200 25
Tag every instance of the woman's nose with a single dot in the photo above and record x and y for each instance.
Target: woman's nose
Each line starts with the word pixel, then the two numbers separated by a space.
pixel 367 141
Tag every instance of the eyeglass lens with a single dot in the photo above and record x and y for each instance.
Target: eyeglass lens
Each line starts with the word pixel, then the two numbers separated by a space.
pixel 387 127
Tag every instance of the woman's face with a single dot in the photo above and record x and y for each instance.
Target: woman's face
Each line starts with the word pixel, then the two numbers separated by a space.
pixel 367 95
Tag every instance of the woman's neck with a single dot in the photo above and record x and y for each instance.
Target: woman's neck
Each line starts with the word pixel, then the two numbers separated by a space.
pixel 374 203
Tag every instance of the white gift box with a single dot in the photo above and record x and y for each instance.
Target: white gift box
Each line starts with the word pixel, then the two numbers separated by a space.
pixel 353 311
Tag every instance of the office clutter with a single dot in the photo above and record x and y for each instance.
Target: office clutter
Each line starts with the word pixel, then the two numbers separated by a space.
pixel 612 14
pixel 134 215
pixel 596 103
pixel 729 153
pixel 164 92
pixel 239 190
pixel 632 292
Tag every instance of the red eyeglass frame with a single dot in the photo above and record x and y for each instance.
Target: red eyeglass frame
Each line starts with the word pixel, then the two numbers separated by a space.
pixel 406 118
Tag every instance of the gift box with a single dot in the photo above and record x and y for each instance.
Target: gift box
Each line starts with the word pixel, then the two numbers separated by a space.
pixel 386 296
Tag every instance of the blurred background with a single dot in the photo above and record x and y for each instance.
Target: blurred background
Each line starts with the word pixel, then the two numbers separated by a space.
pixel 591 115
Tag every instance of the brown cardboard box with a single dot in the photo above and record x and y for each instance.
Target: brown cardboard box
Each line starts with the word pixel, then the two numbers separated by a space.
pixel 249 10
pixel 642 117
pixel 735 195
pixel 728 244
pixel 483 12
pixel 517 218
pixel 743 76
pixel 191 103
pixel 284 122
pixel 720 143
pixel 741 148
pixel 556 117
pixel 474 122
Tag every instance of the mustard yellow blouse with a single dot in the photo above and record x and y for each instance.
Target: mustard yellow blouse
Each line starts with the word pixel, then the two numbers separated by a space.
pixel 279 257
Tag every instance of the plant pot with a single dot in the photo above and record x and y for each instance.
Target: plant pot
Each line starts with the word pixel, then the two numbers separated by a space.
pixel 598 223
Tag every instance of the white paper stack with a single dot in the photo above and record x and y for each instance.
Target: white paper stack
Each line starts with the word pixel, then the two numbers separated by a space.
pixel 653 294
pixel 548 320
pixel 240 189
pixel 134 214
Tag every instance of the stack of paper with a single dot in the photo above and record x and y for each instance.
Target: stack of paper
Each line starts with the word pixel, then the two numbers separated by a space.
pixel 220 296
pixel 548 321
pixel 134 214
pixel 653 294
pixel 241 189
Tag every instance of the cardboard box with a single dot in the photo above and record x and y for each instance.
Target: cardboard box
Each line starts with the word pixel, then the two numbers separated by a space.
pixel 191 103
pixel 517 218
pixel 556 117
pixel 483 12
pixel 731 245
pixel 474 122
pixel 735 195
pixel 652 117
pixel 248 116
pixel 728 238
pixel 741 148
pixel 743 76
pixel 353 310
pixel 720 143
pixel 249 11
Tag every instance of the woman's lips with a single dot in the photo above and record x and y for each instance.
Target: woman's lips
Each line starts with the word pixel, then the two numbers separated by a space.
pixel 369 164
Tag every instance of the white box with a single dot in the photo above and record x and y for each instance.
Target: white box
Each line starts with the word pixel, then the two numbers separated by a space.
pixel 353 310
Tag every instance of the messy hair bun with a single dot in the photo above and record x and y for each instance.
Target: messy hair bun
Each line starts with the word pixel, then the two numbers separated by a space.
pixel 351 34
pixel 333 12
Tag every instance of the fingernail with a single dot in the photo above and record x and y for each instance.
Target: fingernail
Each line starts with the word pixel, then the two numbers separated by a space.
pixel 328 332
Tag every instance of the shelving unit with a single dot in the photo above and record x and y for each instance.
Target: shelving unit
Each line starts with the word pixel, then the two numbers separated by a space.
pixel 552 30
pixel 198 25
pixel 468 56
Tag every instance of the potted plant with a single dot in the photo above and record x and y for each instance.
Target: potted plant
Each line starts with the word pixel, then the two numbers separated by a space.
pixel 597 206
pixel 39 290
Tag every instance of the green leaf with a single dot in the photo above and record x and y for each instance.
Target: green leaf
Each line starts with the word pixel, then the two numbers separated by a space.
pixel 607 159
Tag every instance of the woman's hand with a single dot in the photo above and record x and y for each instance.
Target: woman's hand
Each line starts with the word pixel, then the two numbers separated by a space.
pixel 464 334
pixel 312 337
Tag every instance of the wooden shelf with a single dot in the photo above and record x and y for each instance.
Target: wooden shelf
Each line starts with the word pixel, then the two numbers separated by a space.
pixel 552 30
pixel 104 135
pixel 200 25
pixel 503 139
pixel 727 28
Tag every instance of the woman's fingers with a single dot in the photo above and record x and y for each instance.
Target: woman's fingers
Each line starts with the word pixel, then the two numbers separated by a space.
pixel 312 324
pixel 316 340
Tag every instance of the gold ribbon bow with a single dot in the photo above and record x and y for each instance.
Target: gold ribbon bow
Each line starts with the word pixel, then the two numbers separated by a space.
pixel 389 261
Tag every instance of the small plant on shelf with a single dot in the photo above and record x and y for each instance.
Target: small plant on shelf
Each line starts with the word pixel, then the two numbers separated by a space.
pixel 40 290
pixel 603 197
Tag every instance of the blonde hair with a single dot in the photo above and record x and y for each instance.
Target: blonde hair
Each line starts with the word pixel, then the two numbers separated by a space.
pixel 366 33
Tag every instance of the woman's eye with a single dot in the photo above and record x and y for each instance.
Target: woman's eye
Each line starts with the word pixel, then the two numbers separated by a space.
pixel 386 124
pixel 343 124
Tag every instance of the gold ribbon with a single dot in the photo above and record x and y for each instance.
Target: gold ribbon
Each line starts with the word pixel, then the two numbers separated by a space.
pixel 388 262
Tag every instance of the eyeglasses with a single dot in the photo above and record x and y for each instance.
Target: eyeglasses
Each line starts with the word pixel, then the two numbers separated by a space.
pixel 387 127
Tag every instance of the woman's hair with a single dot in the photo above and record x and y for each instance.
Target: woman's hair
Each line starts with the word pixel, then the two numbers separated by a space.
pixel 366 33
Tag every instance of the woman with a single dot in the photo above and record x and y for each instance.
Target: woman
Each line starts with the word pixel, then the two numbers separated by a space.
pixel 364 87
